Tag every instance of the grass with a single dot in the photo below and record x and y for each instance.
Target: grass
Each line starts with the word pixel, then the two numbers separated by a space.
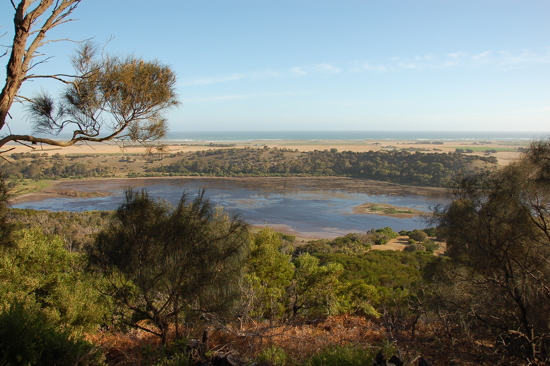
pixel 24 186
pixel 390 210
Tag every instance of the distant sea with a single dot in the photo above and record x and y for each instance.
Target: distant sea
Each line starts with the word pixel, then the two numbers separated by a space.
pixel 224 136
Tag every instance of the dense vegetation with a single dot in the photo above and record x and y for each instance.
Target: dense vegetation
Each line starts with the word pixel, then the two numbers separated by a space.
pixel 208 288
pixel 434 169
pixel 134 272
pixel 427 169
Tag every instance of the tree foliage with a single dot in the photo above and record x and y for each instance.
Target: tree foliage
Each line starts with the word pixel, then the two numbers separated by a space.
pixel 106 98
pixel 28 337
pixel 167 263
pixel 433 169
pixel 39 273
pixel 269 273
pixel 498 235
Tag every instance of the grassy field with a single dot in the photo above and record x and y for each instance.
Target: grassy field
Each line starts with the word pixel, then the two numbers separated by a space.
pixel 23 186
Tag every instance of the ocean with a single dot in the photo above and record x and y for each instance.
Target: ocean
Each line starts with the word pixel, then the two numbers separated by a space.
pixel 226 136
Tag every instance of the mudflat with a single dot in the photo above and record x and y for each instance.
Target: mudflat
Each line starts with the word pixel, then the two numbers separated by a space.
pixel 91 187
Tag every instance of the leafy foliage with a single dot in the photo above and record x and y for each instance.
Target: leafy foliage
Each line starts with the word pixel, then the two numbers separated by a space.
pixel 497 231
pixel 27 337
pixel 434 169
pixel 40 274
pixel 341 355
pixel 77 229
pixel 268 275
pixel 164 262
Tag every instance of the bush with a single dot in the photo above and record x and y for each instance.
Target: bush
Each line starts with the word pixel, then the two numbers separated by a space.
pixel 38 271
pixel 430 231
pixel 27 337
pixel 415 248
pixel 418 235
pixel 341 356
pixel 388 231
pixel 431 246
pixel 273 355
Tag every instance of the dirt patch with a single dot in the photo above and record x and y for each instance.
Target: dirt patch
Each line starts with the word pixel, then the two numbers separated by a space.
pixel 56 193
pixel 398 243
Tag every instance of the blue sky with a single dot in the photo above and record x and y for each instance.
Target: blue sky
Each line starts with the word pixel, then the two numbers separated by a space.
pixel 330 65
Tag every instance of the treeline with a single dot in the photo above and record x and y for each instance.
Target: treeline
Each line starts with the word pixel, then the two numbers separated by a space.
pixel 424 169
pixel 56 166
pixel 432 169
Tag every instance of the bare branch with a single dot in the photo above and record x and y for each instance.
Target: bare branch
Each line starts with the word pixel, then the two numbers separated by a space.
pixel 5 151
pixel 58 77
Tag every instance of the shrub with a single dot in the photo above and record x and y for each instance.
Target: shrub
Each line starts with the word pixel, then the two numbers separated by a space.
pixel 418 235
pixel 388 231
pixel 415 248
pixel 273 355
pixel 430 245
pixel 27 337
pixel 340 355
pixel 430 231
pixel 39 271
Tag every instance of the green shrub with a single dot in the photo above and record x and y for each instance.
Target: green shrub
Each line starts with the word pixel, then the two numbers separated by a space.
pixel 27 337
pixel 339 355
pixel 418 235
pixel 388 231
pixel 430 245
pixel 430 231
pixel 39 272
pixel 415 248
pixel 274 355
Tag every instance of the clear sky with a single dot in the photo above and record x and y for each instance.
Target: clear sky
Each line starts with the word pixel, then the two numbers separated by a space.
pixel 455 65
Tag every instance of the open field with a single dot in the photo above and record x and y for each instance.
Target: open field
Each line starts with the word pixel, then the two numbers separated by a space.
pixel 507 151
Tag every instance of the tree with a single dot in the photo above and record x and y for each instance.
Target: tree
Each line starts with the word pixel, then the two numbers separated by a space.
pixel 418 235
pixel 498 235
pixel 315 288
pixel 107 98
pixel 269 273
pixel 166 262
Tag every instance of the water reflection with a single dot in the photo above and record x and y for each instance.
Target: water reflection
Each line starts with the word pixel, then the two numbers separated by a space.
pixel 310 212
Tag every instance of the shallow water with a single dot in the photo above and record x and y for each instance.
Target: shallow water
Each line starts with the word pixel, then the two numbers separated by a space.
pixel 307 212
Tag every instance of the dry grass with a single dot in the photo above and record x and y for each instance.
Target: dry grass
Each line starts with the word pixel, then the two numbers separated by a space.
pixel 302 339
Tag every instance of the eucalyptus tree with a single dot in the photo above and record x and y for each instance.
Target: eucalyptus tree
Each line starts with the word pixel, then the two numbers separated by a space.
pixel 105 98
